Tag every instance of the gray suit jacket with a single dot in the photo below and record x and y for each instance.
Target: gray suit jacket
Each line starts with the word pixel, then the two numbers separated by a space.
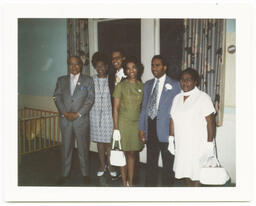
pixel 82 99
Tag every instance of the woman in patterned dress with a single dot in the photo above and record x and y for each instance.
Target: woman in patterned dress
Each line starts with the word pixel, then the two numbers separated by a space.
pixel 127 104
pixel 101 121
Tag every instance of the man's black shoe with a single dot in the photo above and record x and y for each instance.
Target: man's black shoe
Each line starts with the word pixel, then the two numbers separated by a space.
pixel 62 180
pixel 86 180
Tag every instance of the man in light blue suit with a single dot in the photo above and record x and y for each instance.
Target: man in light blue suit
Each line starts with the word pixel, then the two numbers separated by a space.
pixel 155 120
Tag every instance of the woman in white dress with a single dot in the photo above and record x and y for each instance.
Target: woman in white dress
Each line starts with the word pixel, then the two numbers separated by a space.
pixel 101 121
pixel 192 129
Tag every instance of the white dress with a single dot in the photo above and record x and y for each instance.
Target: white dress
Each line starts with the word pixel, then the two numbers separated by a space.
pixel 190 131
pixel 101 121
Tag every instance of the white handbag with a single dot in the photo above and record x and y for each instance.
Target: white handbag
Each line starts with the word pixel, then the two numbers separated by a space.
pixel 117 157
pixel 213 175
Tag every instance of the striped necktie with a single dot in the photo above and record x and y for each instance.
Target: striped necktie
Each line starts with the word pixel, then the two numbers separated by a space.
pixel 152 112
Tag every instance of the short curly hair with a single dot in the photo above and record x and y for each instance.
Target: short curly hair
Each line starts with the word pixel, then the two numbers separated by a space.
pixel 77 57
pixel 162 58
pixel 97 57
pixel 139 66
pixel 194 74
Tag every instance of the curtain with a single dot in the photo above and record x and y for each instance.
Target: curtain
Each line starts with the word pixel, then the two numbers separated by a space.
pixel 204 51
pixel 78 41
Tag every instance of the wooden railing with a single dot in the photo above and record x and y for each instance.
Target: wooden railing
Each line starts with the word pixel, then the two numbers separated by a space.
pixel 37 130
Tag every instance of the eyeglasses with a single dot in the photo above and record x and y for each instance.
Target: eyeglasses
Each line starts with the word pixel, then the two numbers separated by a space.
pixel 73 64
pixel 187 80
pixel 116 58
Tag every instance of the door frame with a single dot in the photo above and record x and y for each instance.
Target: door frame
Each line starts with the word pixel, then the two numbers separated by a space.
pixel 150 42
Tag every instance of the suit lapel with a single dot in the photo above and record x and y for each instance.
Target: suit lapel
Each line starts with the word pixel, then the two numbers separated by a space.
pixel 67 84
pixel 162 97
pixel 151 84
pixel 150 87
pixel 165 91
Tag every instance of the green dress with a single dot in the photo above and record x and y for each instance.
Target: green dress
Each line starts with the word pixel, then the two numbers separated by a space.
pixel 130 95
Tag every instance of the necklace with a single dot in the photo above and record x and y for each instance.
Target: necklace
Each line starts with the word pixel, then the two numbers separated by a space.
pixel 101 92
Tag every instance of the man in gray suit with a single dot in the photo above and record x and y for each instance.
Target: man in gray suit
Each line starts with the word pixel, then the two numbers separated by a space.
pixel 74 97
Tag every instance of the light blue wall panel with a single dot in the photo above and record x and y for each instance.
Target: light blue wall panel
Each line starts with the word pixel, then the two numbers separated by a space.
pixel 231 25
pixel 42 55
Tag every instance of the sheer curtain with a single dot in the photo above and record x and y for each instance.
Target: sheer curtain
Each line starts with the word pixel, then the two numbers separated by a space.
pixel 78 41
pixel 204 51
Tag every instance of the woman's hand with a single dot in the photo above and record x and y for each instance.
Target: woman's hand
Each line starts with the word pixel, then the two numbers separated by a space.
pixel 171 146
pixel 211 127
pixel 142 136
pixel 116 135
pixel 210 149
pixel 116 112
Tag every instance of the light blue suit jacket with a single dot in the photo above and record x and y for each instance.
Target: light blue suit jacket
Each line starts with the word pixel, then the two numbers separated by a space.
pixel 165 103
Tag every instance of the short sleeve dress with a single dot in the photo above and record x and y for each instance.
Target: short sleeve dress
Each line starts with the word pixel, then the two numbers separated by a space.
pixel 190 131
pixel 130 95
pixel 101 121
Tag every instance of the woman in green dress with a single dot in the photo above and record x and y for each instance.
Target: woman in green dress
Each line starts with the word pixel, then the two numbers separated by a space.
pixel 127 104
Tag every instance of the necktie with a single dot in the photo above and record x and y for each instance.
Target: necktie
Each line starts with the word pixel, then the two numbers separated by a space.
pixel 72 85
pixel 152 112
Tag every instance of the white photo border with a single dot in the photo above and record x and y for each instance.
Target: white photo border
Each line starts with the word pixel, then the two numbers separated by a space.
pixel 243 15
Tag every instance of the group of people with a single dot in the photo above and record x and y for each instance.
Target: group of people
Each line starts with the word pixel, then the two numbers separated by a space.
pixel 168 116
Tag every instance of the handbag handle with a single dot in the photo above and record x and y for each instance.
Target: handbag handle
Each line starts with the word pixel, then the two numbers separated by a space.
pixel 210 159
pixel 113 144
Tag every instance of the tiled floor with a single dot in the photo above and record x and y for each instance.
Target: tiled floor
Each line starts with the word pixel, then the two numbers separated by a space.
pixel 43 169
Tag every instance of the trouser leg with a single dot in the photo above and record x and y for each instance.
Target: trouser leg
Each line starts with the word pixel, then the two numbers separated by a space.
pixel 167 158
pixel 83 149
pixel 152 154
pixel 66 147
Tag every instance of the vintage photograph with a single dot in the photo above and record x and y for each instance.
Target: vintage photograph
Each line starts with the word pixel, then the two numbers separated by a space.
pixel 126 102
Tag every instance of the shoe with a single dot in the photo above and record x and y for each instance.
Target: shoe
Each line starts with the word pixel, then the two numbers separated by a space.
pixel 117 177
pixel 86 180
pixel 112 174
pixel 100 173
pixel 62 180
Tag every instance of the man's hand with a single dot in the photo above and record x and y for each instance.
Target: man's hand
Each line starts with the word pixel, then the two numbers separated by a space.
pixel 70 116
pixel 75 115
pixel 142 136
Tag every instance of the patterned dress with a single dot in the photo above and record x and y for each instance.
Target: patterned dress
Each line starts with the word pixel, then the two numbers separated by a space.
pixel 101 120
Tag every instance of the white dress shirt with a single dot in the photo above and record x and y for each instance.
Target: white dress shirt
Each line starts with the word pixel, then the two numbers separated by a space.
pixel 76 77
pixel 160 89
pixel 75 82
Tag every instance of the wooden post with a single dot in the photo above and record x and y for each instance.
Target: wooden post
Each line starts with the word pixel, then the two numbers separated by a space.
pixel 29 136
pixel 58 130
pixel 41 133
pixel 35 120
pixel 54 129
pixel 45 125
pixel 24 136
pixel 49 131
